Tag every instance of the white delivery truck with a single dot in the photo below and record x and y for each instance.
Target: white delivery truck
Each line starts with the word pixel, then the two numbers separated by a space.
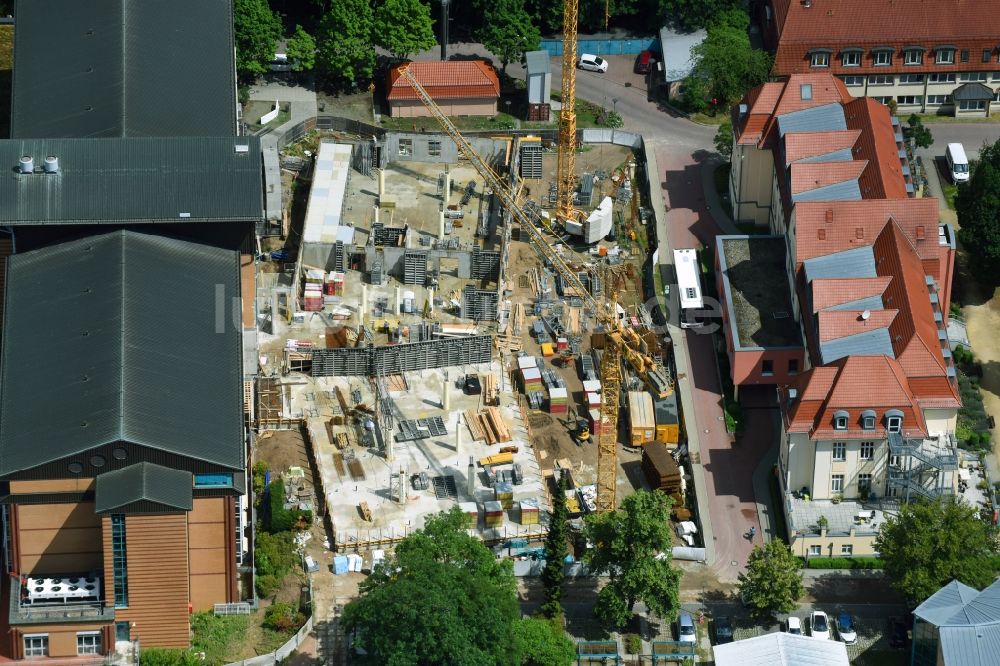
pixel 958 163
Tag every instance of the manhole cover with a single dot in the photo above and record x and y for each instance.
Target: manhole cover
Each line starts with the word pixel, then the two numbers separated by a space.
pixel 734 563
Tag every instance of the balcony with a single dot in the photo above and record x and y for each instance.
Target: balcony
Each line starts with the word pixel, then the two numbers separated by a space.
pixel 56 610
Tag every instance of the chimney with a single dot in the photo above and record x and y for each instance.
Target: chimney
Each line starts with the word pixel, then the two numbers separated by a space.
pixel 26 164
pixel 829 216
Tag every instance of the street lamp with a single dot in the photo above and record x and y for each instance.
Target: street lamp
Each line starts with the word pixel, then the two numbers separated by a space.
pixel 614 102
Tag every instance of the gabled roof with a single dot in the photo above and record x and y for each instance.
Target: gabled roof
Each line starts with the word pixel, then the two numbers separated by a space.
pixel 113 68
pixel 968 622
pixel 132 342
pixel 829 293
pixel 802 92
pixel 825 118
pixel 817 175
pixel 973 91
pixel 940 607
pixel 835 324
pixel 781 649
pixel 883 177
pixel 812 145
pixel 145 487
pixel 450 79
pixel 857 262
pixel 103 181
pixel 760 103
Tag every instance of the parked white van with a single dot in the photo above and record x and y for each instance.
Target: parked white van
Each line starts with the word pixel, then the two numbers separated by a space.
pixel 958 163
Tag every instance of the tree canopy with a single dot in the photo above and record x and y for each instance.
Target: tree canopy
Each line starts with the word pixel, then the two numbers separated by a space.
pixel 632 546
pixel 403 27
pixel 555 552
pixel 724 139
pixel 690 15
pixel 930 543
pixel 507 30
pixel 256 30
pixel 443 598
pixel 978 206
pixel 301 50
pixel 725 63
pixel 916 130
pixel 345 51
pixel 772 582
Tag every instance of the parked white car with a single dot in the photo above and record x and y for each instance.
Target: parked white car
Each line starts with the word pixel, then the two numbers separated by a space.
pixel 592 63
pixel 819 625
pixel 794 625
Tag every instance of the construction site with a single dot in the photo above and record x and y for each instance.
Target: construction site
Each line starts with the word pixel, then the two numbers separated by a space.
pixel 460 322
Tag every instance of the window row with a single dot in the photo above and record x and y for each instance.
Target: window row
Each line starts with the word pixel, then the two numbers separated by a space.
pixel 893 420
pixel 946 77
pixel 837 483
pixel 867 451
pixel 767 367
pixel 845 549
pixel 87 642
pixel 883 57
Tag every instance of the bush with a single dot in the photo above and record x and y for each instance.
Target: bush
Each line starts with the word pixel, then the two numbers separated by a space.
pixel 216 636
pixel 280 519
pixel 633 644
pixel 283 618
pixel 259 474
pixel 168 657
pixel 275 558
pixel 844 563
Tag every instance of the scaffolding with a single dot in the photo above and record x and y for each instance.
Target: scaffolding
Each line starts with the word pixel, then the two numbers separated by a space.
pixel 394 359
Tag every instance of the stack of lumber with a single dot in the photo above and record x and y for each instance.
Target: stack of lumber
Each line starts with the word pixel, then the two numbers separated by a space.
pixel 366 513
pixel 497 459
pixel 488 425
pixel 490 392
pixel 660 468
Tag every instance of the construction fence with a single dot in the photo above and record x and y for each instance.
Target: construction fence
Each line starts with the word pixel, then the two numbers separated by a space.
pixel 603 46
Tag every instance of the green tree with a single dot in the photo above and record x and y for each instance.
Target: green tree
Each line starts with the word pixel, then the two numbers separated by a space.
pixel 403 27
pixel 978 206
pixel 555 553
pixel 772 582
pixel 256 30
pixel 344 39
pixel 169 657
pixel 915 130
pixel 443 598
pixel 727 61
pixel 632 546
pixel 301 50
pixel 543 643
pixel 546 14
pixel 507 30
pixel 930 543
pixel 724 139
pixel 688 15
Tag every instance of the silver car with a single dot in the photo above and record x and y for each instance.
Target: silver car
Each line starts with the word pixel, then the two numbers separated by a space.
pixel 592 63
pixel 685 628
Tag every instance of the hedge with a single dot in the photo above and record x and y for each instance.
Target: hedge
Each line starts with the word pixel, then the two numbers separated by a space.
pixel 845 563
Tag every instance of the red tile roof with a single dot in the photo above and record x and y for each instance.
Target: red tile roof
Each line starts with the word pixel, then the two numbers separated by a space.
pixel 834 324
pixel 851 224
pixel 883 179
pixel 828 293
pixel 867 24
pixel 760 103
pixel 768 101
pixel 450 79
pixel 811 175
pixel 803 145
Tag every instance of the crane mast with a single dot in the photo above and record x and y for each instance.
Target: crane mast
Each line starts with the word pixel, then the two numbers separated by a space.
pixel 566 165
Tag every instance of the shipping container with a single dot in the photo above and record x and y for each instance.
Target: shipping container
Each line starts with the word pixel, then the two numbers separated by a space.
pixel 665 410
pixel 641 418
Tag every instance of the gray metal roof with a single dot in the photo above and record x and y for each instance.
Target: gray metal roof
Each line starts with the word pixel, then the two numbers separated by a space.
pixel 537 62
pixel 858 262
pixel 676 49
pixel 973 91
pixel 868 303
pixel 968 621
pixel 876 342
pixel 971 646
pixel 121 337
pixel 844 155
pixel 144 482
pixel 120 68
pixel 848 190
pixel 781 649
pixel 826 118
pixel 133 180
pixel 943 604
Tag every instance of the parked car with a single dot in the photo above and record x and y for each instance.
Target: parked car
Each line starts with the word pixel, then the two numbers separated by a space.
pixel 845 629
pixel 819 625
pixel 793 625
pixel 685 628
pixel 592 63
pixel 723 630
pixel 642 62
pixel 897 633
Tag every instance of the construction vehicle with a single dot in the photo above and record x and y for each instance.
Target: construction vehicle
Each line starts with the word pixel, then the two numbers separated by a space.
pixel 582 432
pixel 623 341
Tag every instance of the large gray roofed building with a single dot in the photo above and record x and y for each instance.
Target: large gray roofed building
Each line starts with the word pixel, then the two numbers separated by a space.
pixel 123 68
pixel 132 180
pixel 964 626
pixel 121 338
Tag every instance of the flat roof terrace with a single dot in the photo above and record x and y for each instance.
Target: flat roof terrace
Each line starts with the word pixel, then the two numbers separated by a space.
pixel 755 284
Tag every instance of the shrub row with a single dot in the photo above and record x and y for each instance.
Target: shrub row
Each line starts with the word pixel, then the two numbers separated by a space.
pixel 845 563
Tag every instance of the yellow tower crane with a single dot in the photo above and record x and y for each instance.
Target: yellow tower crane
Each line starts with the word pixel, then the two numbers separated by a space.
pixel 566 165
pixel 619 341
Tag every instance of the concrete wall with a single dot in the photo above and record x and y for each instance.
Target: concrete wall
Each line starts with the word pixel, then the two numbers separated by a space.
pixel 863 544
pixel 421 145
pixel 751 184
pixel 941 421
pixel 797 460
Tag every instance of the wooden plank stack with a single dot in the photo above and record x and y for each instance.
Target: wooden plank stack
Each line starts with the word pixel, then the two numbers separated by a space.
pixel 366 513
pixel 660 469
pixel 490 392
pixel 488 425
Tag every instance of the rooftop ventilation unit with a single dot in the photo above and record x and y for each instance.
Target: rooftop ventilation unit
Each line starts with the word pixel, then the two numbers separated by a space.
pixel 242 148
pixel 26 164
pixel 51 164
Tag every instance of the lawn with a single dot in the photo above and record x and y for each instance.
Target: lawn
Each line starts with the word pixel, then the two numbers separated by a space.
pixel 931 118
pixel 949 190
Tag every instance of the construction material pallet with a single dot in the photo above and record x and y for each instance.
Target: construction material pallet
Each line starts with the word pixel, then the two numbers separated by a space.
pixel 444 487
pixel 357 471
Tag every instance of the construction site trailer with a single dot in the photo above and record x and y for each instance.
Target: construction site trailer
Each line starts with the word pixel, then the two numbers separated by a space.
pixel 641 418
pixel 667 430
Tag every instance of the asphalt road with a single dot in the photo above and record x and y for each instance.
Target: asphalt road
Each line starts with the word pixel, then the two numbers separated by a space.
pixel 970 135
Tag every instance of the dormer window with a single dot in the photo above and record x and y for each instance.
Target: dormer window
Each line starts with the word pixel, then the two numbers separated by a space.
pixel 944 55
pixel 851 57
pixel 894 420
pixel 882 57
pixel 840 420
pixel 868 419
pixel 913 57
pixel 819 58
